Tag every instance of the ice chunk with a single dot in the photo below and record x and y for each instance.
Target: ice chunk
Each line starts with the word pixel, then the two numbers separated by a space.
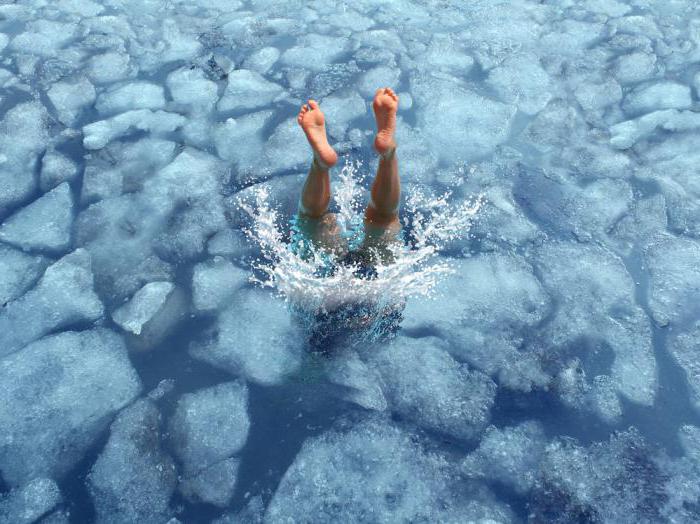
pixel 520 80
pixel 99 134
pixel 44 37
pixel 470 126
pixel 648 218
pixel 685 348
pixel 563 207
pixel 229 243
pixel 424 384
pixel 616 481
pixel 571 37
pixel 83 8
pixel 388 476
pixel 674 291
pixel 255 337
pixel 30 502
pixel 210 471
pixel 635 67
pixel 215 282
pixel 4 40
pixel 499 298
pixel 240 141
pixel 597 314
pixel 63 297
pixel 252 513
pixel 696 84
pixel 287 148
pixel 57 397
pixel 350 19
pixel 596 97
pixel 358 383
pixel 378 77
pixel 262 60
pixel 447 55
pixel 23 135
pixel 248 90
pixel 315 52
pixel 18 272
pixel 626 134
pixel 118 234
pixel 663 95
pixel 607 7
pixel 681 489
pixel 133 478
pixel 70 98
pixel 108 67
pixel 510 456
pixel 340 110
pixel 100 183
pixel 555 126
pixel 151 314
pixel 192 89
pixel 184 237
pixel 44 225
pixel 55 169
pixel 174 215
pixel 214 485
pixel 174 44
pixel 134 95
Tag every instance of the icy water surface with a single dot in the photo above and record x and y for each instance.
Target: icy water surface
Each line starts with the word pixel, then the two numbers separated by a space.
pixel 547 367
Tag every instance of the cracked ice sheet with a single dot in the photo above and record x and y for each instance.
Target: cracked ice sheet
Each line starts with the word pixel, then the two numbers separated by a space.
pixel 601 95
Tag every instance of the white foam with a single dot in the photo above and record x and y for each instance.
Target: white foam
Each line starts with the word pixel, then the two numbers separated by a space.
pixel 413 272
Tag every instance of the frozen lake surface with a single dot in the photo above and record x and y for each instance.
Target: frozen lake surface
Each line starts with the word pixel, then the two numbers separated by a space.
pixel 553 376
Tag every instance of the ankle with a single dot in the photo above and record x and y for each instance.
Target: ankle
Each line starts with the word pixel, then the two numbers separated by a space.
pixel 388 153
pixel 319 164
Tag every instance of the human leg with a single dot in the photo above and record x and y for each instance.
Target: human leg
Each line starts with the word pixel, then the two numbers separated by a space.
pixel 382 210
pixel 316 193
pixel 313 221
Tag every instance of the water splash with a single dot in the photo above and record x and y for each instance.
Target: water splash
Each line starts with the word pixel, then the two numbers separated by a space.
pixel 366 303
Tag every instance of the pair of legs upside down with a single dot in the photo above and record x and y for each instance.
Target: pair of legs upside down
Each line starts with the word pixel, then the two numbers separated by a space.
pixel 381 221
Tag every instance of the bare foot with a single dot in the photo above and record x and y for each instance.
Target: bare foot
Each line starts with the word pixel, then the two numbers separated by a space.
pixel 385 105
pixel 312 122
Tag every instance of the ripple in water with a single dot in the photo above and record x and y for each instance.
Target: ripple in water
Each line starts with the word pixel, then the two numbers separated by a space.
pixel 337 306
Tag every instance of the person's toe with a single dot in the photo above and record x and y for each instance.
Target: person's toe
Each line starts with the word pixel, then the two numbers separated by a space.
pixel 313 104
